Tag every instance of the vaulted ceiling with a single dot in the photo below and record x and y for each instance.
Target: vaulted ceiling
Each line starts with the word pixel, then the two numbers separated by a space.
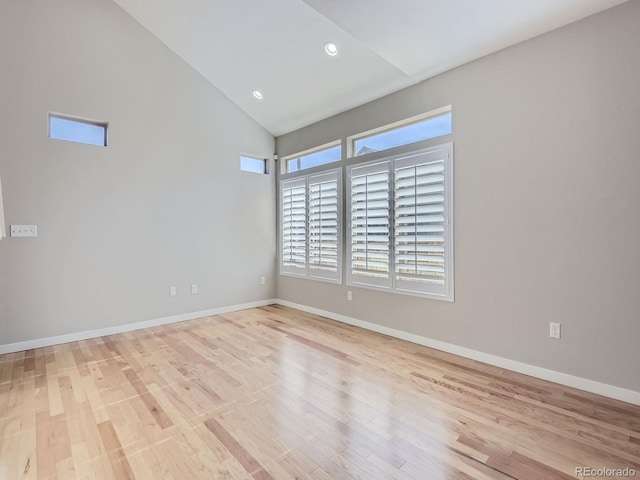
pixel 277 46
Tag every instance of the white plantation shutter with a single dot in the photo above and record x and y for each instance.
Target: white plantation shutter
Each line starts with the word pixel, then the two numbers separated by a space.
pixel 311 233
pixel 324 226
pixel 369 240
pixel 421 222
pixel 293 195
pixel 400 227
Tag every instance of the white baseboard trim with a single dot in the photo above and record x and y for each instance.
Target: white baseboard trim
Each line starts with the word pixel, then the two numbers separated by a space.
pixel 74 337
pixel 580 383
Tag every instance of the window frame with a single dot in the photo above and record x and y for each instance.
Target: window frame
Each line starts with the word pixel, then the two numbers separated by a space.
pixel 308 271
pixel 390 158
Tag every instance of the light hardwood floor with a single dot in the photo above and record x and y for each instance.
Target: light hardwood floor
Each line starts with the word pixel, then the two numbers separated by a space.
pixel 277 393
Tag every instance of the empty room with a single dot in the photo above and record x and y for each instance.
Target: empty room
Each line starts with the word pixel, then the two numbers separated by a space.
pixel 313 239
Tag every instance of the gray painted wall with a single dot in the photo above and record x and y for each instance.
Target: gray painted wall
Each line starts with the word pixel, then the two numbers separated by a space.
pixel 165 204
pixel 547 201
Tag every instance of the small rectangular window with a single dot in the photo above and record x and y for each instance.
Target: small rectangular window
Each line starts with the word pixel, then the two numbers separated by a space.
pixel 77 130
pixel 417 131
pixel 315 158
pixel 255 165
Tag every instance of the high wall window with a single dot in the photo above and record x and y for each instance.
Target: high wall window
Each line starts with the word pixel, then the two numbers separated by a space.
pixel 72 129
pixel 400 228
pixel 310 232
pixel 253 164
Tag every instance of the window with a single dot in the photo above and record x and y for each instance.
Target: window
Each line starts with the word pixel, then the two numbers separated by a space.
pixel 77 130
pixel 313 158
pixel 400 229
pixel 311 236
pixel 255 165
pixel 436 125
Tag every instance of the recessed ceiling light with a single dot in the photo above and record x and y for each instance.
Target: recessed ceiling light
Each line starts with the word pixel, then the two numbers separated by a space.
pixel 258 94
pixel 331 49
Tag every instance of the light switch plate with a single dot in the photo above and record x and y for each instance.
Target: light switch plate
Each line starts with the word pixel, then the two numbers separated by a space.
pixel 24 230
pixel 554 330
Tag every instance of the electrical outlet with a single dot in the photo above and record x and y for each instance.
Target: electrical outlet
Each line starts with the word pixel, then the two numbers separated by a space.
pixel 349 295
pixel 263 280
pixel 194 289
pixel 172 291
pixel 24 230
pixel 554 330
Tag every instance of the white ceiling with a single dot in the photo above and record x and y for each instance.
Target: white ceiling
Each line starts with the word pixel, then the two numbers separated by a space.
pixel 277 46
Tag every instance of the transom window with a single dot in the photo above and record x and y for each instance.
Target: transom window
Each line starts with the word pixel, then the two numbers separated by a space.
pixel 314 158
pixel 432 125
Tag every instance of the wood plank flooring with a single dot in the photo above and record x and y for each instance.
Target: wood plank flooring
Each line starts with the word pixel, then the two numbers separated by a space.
pixel 275 393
